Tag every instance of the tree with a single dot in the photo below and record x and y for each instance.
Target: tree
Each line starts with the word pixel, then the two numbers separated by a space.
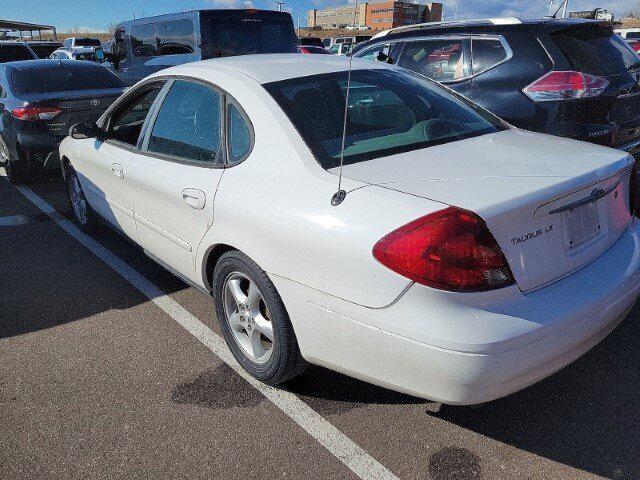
pixel 634 11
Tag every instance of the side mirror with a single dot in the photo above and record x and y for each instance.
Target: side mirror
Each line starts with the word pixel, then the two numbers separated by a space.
pixel 84 130
pixel 381 57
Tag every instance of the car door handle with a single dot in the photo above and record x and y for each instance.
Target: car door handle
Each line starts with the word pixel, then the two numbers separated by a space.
pixel 194 198
pixel 116 169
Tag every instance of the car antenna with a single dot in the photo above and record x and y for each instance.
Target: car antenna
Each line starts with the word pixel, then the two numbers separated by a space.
pixel 340 195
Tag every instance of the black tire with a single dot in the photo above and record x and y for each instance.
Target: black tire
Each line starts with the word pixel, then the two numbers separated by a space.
pixel 87 222
pixel 285 361
pixel 16 164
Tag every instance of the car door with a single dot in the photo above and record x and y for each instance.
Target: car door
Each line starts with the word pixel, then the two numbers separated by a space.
pixel 104 163
pixel 446 60
pixel 175 178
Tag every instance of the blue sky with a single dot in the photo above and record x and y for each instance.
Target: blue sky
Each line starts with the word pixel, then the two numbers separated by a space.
pixel 66 14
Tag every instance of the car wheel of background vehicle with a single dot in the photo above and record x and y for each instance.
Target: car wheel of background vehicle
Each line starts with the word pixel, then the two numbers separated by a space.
pixel 83 214
pixel 254 320
pixel 15 166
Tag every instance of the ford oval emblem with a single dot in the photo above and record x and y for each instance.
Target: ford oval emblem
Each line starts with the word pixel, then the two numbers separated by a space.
pixel 95 103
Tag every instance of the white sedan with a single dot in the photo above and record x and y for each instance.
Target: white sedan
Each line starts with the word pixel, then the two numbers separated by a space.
pixel 464 259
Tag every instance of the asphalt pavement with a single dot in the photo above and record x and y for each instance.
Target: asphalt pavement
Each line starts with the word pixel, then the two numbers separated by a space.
pixel 100 379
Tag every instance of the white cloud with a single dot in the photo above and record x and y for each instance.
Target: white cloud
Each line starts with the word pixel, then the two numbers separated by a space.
pixel 527 8
pixel 509 8
pixel 232 3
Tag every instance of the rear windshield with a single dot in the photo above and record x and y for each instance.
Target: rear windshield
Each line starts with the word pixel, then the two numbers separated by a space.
pixel 586 51
pixel 44 50
pixel 63 78
pixel 87 42
pixel 247 33
pixel 14 53
pixel 390 111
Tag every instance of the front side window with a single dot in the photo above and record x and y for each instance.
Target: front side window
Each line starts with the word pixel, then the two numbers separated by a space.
pixel 487 53
pixel 126 124
pixel 239 135
pixel 188 124
pixel 440 60
pixel 144 42
pixel 389 112
pixel 374 53
pixel 176 37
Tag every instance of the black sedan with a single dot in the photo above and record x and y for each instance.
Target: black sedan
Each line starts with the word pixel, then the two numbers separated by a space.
pixel 39 101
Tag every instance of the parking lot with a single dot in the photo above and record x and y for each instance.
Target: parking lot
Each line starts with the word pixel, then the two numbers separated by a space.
pixel 111 367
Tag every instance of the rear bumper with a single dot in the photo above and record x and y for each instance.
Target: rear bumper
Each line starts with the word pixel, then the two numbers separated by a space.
pixel 467 349
pixel 40 142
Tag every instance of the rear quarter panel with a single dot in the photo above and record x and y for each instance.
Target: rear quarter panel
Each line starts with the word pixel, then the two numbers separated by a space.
pixel 276 208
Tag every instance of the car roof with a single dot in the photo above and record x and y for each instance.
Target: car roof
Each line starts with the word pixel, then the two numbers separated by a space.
pixel 47 62
pixel 268 68
pixel 493 25
pixel 191 13
pixel 12 42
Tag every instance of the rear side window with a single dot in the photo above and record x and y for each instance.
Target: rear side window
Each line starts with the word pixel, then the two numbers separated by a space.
pixel 486 54
pixel 14 53
pixel 596 51
pixel 144 42
pixel 188 123
pixel 239 135
pixel 175 37
pixel 440 60
pixel 63 78
pixel 633 35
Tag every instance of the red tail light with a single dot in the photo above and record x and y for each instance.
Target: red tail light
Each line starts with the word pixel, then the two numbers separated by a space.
pixel 566 86
pixel 36 113
pixel 303 50
pixel 450 250
pixel 633 192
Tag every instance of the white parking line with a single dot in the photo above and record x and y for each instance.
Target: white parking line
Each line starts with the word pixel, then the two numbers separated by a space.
pixel 338 444
pixel 13 221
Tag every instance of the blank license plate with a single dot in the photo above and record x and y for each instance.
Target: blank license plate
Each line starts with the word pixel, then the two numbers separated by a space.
pixel 582 224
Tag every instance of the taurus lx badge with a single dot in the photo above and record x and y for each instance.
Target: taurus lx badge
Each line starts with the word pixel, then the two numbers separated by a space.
pixel 530 235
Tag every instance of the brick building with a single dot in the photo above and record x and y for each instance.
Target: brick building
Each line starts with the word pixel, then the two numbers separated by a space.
pixel 380 15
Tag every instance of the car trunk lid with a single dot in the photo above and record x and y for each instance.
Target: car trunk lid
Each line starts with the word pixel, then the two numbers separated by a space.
pixel 76 107
pixel 552 204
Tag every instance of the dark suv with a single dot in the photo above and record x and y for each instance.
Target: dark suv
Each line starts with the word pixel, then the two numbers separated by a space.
pixel 571 77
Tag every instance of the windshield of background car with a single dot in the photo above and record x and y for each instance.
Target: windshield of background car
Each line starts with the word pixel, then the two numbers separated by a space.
pixel 63 78
pixel 389 112
pixel 14 53
pixel 87 42
pixel 596 51
pixel 247 33
pixel 44 50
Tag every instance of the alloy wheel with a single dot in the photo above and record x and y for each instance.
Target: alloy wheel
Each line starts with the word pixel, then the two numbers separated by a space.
pixel 248 317
pixel 78 200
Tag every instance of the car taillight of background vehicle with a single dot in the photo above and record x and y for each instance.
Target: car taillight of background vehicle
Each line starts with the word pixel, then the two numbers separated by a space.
pixel 36 113
pixel 633 192
pixel 452 249
pixel 635 44
pixel 566 86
